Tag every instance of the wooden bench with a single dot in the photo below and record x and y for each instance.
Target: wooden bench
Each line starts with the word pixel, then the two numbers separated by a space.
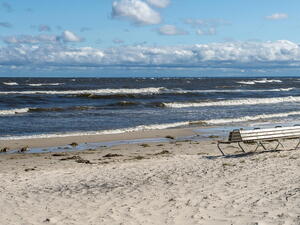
pixel 262 136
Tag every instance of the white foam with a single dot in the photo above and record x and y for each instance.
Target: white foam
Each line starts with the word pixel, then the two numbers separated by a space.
pixel 231 90
pixel 245 101
pixel 13 111
pixel 116 131
pixel 261 81
pixel 10 83
pixel 246 82
pixel 45 84
pixel 150 90
pixel 251 118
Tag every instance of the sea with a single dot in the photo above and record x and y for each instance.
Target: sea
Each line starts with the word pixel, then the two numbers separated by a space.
pixel 54 107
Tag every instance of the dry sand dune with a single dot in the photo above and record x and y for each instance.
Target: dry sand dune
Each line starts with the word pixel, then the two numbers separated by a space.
pixel 187 186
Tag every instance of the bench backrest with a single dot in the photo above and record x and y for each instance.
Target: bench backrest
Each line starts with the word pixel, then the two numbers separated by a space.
pixel 264 134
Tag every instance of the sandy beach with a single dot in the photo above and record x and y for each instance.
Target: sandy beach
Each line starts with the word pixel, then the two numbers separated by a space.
pixel 181 182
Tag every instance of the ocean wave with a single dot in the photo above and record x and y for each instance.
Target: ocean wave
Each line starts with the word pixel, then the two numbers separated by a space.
pixel 10 83
pixel 158 126
pixel 13 111
pixel 116 131
pixel 60 109
pixel 150 90
pixel 131 93
pixel 52 109
pixel 261 81
pixel 245 101
pixel 45 84
pixel 251 118
pixel 124 103
pixel 111 96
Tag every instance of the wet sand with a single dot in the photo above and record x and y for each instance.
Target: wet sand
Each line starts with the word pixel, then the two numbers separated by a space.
pixel 60 141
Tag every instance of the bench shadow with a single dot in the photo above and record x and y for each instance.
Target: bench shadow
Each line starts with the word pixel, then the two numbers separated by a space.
pixel 247 154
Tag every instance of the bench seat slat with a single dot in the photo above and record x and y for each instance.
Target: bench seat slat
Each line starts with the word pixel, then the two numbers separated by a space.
pixel 270 129
pixel 264 134
pixel 274 137
pixel 283 133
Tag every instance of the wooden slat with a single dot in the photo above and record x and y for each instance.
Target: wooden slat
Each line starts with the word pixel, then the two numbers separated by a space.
pixel 269 137
pixel 271 133
pixel 270 129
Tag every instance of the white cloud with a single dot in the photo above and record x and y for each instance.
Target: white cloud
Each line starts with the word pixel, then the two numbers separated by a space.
pixel 69 36
pixel 206 22
pixel 277 16
pixel 206 26
pixel 159 3
pixel 29 39
pixel 208 31
pixel 260 55
pixel 137 11
pixel 66 36
pixel 171 30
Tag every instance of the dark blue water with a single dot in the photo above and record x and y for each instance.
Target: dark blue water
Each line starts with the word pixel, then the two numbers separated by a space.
pixel 35 106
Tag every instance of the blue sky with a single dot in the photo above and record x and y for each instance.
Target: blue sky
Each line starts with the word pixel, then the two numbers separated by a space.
pixel 145 37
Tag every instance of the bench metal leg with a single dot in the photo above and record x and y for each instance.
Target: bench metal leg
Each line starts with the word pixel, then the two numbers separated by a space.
pixel 279 143
pixel 241 147
pixel 297 146
pixel 259 143
pixel 220 148
pixel 263 146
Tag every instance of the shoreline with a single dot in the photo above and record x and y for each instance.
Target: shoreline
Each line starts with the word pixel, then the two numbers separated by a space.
pixel 98 138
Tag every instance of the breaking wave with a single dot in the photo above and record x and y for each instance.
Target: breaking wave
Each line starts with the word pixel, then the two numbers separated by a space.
pixel 97 93
pixel 151 90
pixel 10 83
pixel 246 101
pixel 158 126
pixel 62 109
pixel 251 118
pixel 45 84
pixel 262 81
pixel 13 111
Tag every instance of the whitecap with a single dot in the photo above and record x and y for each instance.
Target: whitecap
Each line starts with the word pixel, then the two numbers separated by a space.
pixel 10 83
pixel 13 111
pixel 235 102
pixel 45 84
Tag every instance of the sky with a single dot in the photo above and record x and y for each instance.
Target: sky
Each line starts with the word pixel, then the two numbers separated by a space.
pixel 149 38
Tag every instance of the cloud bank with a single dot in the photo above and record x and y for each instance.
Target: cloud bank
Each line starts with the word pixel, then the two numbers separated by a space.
pixel 26 51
